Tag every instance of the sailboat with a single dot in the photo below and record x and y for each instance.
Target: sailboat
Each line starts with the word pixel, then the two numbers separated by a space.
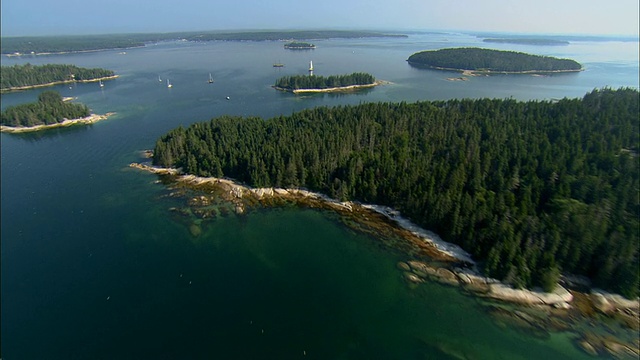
pixel 210 79
pixel 159 78
pixel 310 68
pixel 169 84
pixel 101 84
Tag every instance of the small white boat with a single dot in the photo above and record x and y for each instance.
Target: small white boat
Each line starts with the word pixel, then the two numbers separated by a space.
pixel 159 79
pixel 228 98
pixel 169 84
pixel 210 79
pixel 101 84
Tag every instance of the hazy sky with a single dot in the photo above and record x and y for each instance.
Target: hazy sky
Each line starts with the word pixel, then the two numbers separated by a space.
pixel 43 17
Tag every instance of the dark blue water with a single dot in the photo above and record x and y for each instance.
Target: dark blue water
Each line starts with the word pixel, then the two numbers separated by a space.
pixel 94 265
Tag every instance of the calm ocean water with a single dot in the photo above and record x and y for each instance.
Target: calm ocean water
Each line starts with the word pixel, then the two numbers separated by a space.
pixel 94 266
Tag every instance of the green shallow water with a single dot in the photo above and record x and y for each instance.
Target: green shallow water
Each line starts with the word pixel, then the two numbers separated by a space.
pixel 92 257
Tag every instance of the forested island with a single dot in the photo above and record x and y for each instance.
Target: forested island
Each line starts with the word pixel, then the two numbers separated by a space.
pixel 299 45
pixel 49 111
pixel 531 189
pixel 27 45
pixel 314 83
pixel 20 77
pixel 489 61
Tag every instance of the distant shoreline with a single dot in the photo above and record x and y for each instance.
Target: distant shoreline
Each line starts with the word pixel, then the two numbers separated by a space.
pixel 333 89
pixel 28 87
pixel 70 52
pixel 93 118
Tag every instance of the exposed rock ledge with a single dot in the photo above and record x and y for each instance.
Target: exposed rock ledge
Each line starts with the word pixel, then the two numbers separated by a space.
pixel 417 271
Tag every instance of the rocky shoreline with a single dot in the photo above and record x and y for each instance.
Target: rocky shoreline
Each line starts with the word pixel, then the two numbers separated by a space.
pixel 334 89
pixel 91 119
pixel 431 259
pixel 20 88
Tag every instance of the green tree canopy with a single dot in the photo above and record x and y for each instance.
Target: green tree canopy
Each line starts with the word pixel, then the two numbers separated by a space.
pixel 528 188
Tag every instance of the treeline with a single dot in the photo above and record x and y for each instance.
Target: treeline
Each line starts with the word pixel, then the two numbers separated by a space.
pixel 30 75
pixel 58 44
pixel 531 189
pixel 490 60
pixel 296 82
pixel 50 109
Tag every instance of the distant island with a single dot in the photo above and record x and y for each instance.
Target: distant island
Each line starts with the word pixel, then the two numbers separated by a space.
pixel 37 45
pixel 487 61
pixel 299 46
pixel 22 77
pixel 313 83
pixel 49 111
pixel 527 41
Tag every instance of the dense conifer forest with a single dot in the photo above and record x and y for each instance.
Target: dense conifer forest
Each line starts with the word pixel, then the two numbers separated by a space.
pixel 488 60
pixel 531 189
pixel 30 75
pixel 297 82
pixel 49 109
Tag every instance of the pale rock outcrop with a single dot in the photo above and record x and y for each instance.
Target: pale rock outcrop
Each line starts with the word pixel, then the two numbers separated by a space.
pixel 503 292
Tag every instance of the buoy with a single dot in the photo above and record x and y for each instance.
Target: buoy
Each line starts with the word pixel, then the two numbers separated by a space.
pixel 228 98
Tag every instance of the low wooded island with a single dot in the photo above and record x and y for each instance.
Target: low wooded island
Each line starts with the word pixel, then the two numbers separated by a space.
pixel 22 77
pixel 487 61
pixel 299 46
pixel 49 111
pixel 481 173
pixel 333 83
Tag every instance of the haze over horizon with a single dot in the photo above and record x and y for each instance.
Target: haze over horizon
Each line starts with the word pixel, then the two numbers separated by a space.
pixel 75 17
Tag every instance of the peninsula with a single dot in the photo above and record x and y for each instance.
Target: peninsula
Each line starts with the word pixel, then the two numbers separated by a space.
pixel 23 77
pixel 487 61
pixel 471 171
pixel 333 83
pixel 480 185
pixel 49 111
